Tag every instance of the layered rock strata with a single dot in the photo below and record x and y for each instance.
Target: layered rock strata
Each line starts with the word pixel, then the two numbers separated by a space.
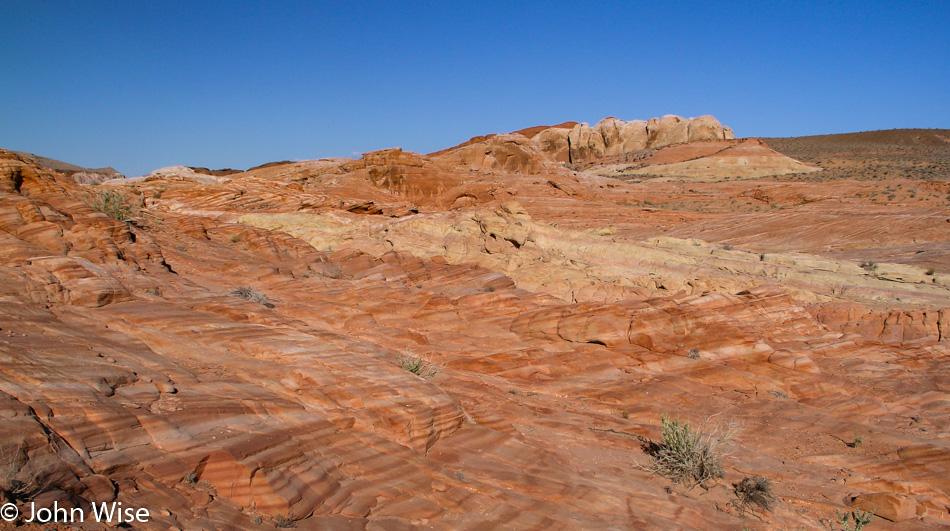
pixel 558 315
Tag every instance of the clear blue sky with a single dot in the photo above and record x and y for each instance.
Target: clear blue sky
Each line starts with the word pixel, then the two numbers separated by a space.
pixel 140 85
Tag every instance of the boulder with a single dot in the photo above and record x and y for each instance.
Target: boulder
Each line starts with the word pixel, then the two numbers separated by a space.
pixel 893 507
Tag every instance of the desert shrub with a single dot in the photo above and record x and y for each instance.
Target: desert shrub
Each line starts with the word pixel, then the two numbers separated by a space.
pixel 112 203
pixel 692 353
pixel 417 365
pixel 285 522
pixel 20 478
pixel 779 394
pixel 328 269
pixel 859 517
pixel 249 294
pixel 755 491
pixel 689 456
pixel 868 265
pixel 331 270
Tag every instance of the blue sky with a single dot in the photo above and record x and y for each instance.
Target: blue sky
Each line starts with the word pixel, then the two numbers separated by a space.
pixel 140 85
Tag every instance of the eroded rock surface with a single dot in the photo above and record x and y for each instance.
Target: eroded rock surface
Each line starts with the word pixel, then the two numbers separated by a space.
pixel 559 313
pixel 610 136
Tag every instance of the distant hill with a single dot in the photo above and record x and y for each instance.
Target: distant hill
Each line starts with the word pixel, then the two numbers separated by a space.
pixel 895 137
pixel 909 153
pixel 80 174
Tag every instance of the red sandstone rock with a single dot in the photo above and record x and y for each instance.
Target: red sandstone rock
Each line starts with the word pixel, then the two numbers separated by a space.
pixel 564 316
pixel 583 143
pixel 887 506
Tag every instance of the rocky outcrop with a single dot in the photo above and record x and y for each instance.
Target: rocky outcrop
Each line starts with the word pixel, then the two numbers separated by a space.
pixel 182 172
pixel 509 153
pixel 894 326
pixel 709 160
pixel 577 143
pixel 611 136
pixel 77 173
pixel 668 146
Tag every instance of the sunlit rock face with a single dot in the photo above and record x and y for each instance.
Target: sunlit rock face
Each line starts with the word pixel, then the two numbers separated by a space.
pixel 485 336
pixel 610 136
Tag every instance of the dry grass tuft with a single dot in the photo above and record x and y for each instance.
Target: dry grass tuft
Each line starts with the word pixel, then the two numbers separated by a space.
pixel 249 294
pixel 285 522
pixel 688 456
pixel 113 203
pixel 755 491
pixel 21 478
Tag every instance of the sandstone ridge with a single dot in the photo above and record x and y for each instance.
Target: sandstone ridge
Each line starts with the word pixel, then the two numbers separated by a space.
pixel 670 146
pixel 573 142
pixel 78 173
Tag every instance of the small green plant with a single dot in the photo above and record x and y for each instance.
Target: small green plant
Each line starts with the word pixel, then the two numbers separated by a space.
pixel 688 456
pixel 693 353
pixel 858 441
pixel 625 414
pixel 249 294
pixel 868 266
pixel 112 203
pixel 488 288
pixel 417 365
pixel 755 491
pixel 859 518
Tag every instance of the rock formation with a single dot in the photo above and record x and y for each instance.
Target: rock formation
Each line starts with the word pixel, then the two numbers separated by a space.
pixel 583 143
pixel 485 336
pixel 78 173
pixel 669 146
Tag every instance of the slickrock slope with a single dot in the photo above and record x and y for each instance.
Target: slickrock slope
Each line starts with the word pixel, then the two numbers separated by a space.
pixel 559 312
